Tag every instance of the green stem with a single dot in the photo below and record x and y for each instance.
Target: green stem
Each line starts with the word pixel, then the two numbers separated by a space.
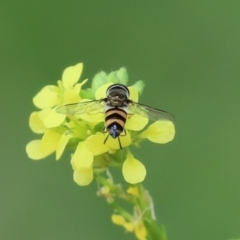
pixel 155 232
pixel 123 212
pixel 114 189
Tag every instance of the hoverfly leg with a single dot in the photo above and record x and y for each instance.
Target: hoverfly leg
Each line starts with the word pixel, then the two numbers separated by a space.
pixel 104 129
pixel 120 145
pixel 106 138
pixel 130 115
pixel 125 133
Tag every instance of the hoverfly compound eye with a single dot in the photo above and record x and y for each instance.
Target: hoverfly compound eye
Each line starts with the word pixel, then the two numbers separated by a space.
pixel 118 87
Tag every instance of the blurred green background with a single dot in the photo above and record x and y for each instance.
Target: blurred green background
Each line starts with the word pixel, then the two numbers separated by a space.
pixel 188 54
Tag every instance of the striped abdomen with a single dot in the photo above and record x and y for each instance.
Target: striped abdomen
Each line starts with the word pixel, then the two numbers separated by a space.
pixel 115 119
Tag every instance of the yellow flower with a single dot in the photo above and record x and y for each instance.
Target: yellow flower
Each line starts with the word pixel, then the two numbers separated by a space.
pixel 82 161
pixel 52 96
pixel 93 147
pixel 133 191
pixel 140 231
pixel 43 121
pixel 137 227
pixel 52 141
pixel 95 150
pixel 133 170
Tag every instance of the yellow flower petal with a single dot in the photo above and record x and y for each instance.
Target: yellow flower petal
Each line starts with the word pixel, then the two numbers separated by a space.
pixel 159 132
pixel 53 119
pixel 50 141
pixel 34 150
pixel 36 124
pixel 129 226
pixel 136 122
pixel 44 113
pixel 71 75
pixel 83 177
pixel 133 170
pixel 71 96
pixel 62 144
pixel 95 144
pixel 101 92
pixel 46 97
pixel 82 158
pixel 140 231
pixel 120 220
pixel 133 191
pixel 133 94
pixel 78 86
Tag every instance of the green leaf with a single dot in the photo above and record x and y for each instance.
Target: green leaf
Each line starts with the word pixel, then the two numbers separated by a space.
pixel 87 93
pixel 98 80
pixel 139 85
pixel 112 77
pixel 122 75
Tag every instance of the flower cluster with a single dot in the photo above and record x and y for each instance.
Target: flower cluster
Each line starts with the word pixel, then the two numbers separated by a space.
pixel 83 132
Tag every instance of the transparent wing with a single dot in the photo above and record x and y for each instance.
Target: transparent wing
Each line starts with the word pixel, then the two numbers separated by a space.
pixel 149 112
pixel 82 107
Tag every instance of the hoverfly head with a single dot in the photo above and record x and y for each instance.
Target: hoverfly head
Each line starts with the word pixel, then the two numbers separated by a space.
pixel 117 94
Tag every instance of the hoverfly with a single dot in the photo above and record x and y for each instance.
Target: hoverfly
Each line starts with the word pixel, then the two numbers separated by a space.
pixel 117 107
